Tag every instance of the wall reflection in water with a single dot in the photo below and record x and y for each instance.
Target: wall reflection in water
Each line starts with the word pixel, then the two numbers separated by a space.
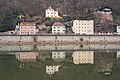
pixel 59 47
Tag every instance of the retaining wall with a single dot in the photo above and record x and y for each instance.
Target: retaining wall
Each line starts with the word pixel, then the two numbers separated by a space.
pixel 59 39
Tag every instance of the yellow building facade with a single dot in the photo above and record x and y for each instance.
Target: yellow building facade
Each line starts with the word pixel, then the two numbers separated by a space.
pixel 83 27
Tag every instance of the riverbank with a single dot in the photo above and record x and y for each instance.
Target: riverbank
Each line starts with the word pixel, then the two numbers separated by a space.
pixel 57 43
pixel 58 39
pixel 70 47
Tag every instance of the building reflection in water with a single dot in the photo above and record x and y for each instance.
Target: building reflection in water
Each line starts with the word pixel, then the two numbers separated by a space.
pixel 102 60
pixel 27 56
pixel 83 57
pixel 48 61
pixel 118 54
pixel 58 56
pixel 52 69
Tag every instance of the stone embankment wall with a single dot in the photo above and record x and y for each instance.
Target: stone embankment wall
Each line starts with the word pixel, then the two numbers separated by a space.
pixel 62 39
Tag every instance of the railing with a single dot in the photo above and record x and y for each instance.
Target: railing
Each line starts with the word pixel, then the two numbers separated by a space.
pixel 67 34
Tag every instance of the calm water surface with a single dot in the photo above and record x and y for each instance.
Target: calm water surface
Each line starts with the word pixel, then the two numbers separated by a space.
pixel 73 62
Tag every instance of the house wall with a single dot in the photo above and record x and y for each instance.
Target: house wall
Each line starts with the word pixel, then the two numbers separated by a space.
pixel 118 54
pixel 27 30
pixel 118 30
pixel 51 13
pixel 83 26
pixel 58 29
pixel 56 13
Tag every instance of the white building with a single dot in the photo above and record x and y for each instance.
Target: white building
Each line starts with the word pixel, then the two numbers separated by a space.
pixel 118 30
pixel 83 26
pixel 58 28
pixel 58 56
pixel 105 10
pixel 52 69
pixel 118 54
pixel 83 57
pixel 51 13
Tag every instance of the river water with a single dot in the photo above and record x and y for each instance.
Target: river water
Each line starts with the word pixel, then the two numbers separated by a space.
pixel 60 62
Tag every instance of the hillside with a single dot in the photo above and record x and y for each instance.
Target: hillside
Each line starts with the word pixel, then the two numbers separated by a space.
pixel 78 9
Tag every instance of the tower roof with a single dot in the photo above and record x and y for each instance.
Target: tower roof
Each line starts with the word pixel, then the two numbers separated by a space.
pixel 58 24
pixel 50 8
pixel 27 24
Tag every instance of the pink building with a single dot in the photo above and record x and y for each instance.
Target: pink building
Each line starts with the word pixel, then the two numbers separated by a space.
pixel 26 28
pixel 27 56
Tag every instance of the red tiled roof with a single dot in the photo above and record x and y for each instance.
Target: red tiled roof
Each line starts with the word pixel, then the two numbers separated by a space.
pixel 50 7
pixel 27 24
pixel 118 26
pixel 57 24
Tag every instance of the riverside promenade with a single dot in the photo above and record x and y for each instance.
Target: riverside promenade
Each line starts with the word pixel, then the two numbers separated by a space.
pixel 59 39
